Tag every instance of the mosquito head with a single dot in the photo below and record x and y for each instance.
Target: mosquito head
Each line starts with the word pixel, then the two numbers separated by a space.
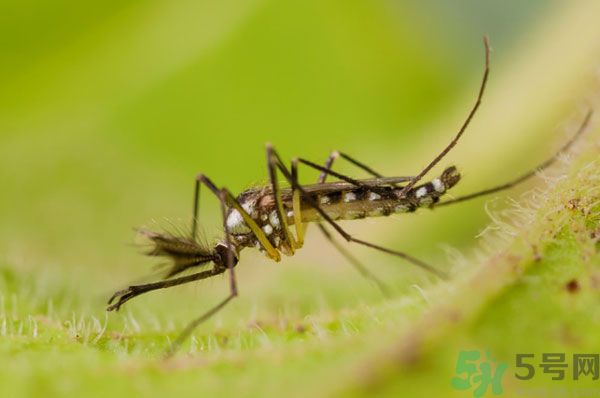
pixel 223 251
pixel 450 177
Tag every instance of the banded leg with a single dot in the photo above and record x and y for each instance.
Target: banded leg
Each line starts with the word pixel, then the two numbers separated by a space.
pixel 339 229
pixel 545 164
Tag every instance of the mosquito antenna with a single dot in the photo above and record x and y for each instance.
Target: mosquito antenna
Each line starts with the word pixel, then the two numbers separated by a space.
pixel 464 126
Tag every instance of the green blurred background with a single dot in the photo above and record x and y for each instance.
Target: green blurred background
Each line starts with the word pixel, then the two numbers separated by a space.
pixel 108 109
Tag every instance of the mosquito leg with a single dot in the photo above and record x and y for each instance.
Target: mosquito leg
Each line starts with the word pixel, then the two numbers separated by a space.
pixel 195 209
pixel 136 290
pixel 296 207
pixel 355 262
pixel 341 231
pixel 547 163
pixel 233 291
pixel 256 230
pixel 232 201
pixel 464 126
pixel 337 154
pixel 327 171
pixel 364 271
pixel 225 197
pixel 327 166
pixel 200 179
pixel 271 165
pixel 195 323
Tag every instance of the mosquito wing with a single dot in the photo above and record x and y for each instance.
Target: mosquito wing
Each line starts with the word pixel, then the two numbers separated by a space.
pixel 343 185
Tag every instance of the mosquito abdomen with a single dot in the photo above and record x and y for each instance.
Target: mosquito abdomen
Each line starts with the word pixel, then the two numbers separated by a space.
pixel 361 202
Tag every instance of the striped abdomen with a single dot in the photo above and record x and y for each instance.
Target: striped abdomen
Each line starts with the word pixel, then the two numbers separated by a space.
pixel 346 203
pixel 356 203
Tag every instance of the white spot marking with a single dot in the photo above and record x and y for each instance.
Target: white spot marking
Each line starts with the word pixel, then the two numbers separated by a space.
pixel 236 224
pixel 324 200
pixel 277 241
pixel 235 221
pixel 374 196
pixel 421 192
pixel 274 219
pixel 249 207
pixel 264 217
pixel 290 214
pixel 349 197
pixel 268 229
pixel 438 185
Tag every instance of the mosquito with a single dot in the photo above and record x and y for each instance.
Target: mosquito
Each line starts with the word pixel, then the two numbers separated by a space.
pixel 262 217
